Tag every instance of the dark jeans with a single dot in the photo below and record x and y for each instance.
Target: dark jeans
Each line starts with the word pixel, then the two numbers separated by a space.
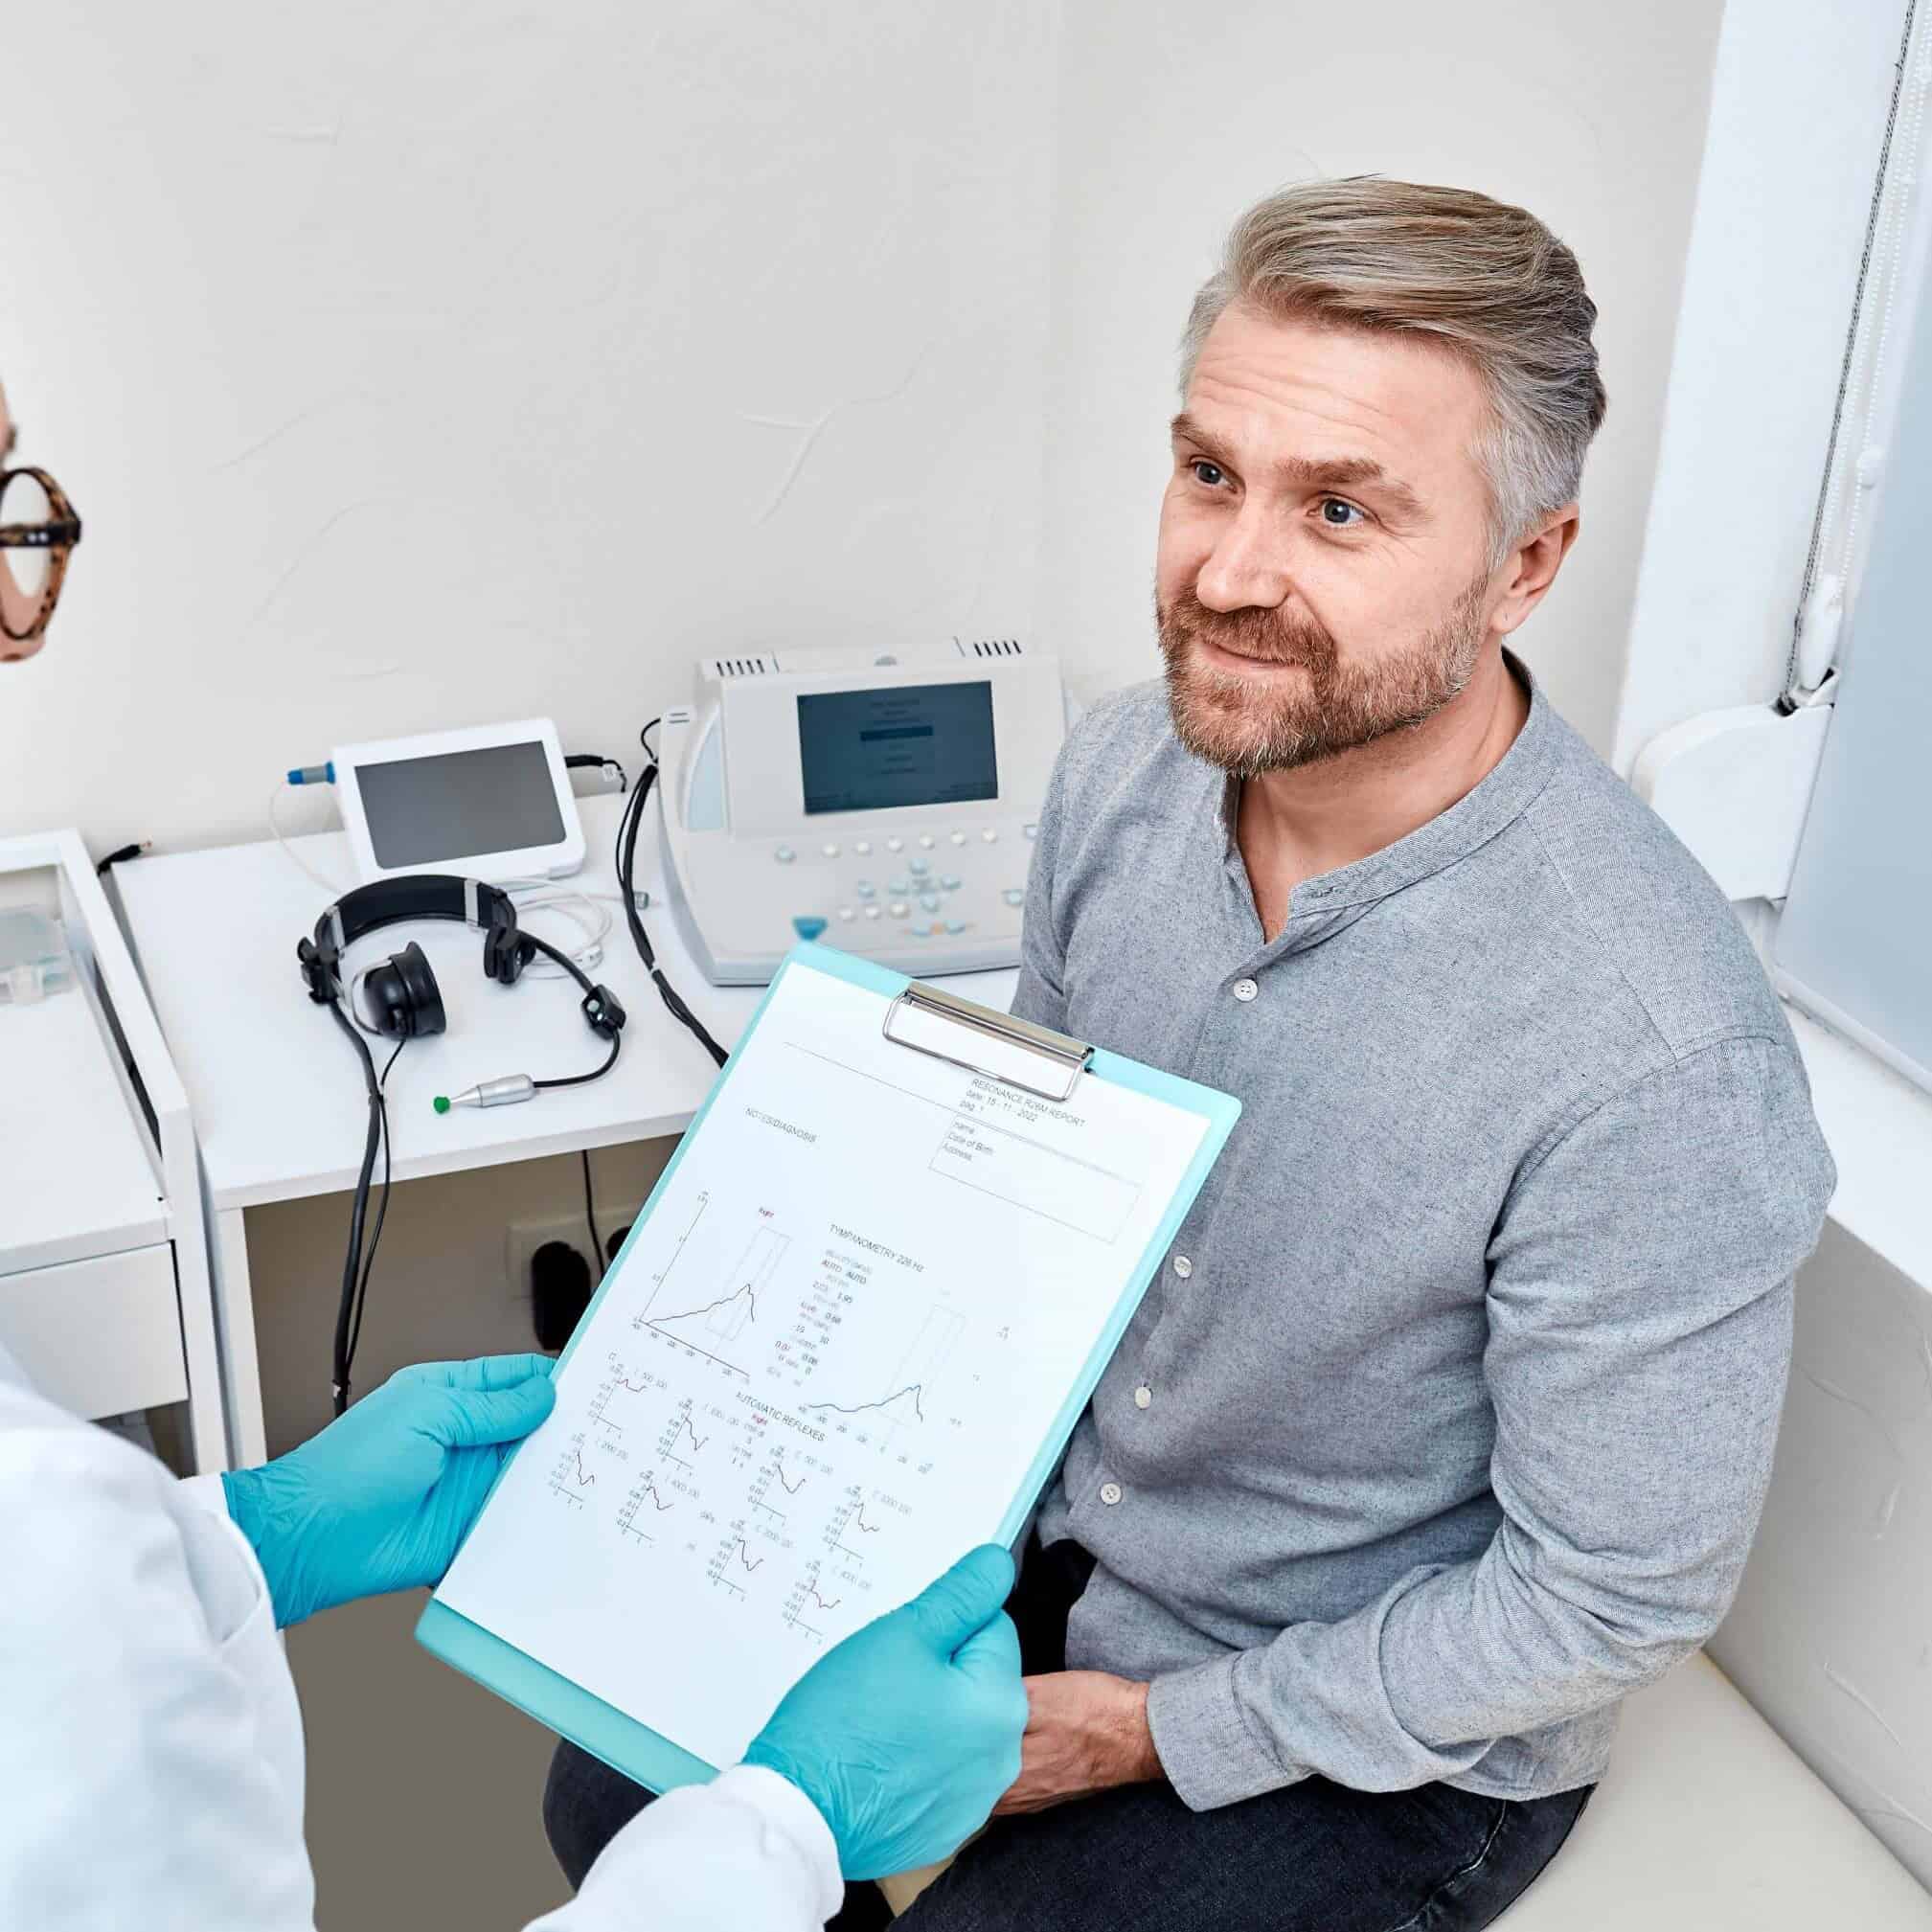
pixel 1314 1857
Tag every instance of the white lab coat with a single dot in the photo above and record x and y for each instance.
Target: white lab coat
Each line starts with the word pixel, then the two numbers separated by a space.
pixel 150 1742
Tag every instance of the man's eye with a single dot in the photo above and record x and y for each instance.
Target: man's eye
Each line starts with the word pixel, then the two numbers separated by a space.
pixel 1340 516
pixel 1210 473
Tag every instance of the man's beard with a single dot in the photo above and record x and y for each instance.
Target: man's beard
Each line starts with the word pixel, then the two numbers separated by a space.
pixel 1249 725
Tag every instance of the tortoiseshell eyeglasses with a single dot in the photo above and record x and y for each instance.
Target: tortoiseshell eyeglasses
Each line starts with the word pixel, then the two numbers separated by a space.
pixel 38 531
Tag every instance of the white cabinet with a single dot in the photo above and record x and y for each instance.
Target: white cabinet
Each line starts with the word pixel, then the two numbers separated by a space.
pixel 104 1295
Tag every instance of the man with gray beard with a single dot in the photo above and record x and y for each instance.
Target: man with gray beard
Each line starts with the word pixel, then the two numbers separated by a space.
pixel 1448 1418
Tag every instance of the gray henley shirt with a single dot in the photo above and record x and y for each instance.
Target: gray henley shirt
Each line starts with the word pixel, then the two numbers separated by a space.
pixel 1447 1421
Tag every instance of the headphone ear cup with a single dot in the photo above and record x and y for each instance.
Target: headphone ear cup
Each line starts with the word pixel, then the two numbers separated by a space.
pixel 402 997
pixel 426 995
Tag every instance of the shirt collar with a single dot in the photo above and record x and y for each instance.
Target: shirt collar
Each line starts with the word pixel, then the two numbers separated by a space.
pixel 1496 802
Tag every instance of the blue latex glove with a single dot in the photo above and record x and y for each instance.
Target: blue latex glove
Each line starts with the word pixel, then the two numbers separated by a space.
pixel 383 1496
pixel 906 1735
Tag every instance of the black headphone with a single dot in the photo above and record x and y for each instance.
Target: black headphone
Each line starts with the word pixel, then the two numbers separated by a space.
pixel 401 996
pixel 402 1001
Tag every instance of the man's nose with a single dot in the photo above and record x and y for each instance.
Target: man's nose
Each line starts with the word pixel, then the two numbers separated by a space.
pixel 1247 569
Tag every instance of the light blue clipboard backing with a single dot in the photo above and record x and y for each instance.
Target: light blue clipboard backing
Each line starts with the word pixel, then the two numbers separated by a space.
pixel 605 1732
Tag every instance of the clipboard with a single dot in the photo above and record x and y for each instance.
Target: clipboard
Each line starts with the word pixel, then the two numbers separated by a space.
pixel 922 1019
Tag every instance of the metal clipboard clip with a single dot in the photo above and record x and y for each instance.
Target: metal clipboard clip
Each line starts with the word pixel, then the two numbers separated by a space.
pixel 1003 1047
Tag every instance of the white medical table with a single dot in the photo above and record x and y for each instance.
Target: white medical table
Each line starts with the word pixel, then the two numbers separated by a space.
pixel 105 1290
pixel 278 1100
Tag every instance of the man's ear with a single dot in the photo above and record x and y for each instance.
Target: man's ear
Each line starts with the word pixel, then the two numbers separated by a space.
pixel 1532 567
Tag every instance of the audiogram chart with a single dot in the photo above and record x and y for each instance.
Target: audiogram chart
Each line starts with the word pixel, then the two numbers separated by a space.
pixel 830 1360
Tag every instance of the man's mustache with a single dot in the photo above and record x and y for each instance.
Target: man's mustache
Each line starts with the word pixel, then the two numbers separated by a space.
pixel 1271 636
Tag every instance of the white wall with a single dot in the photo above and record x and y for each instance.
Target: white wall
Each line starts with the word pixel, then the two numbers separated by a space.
pixel 429 363
pixel 415 362
pixel 1172 120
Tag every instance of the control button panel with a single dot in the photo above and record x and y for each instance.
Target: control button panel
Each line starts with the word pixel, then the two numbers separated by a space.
pixel 885 886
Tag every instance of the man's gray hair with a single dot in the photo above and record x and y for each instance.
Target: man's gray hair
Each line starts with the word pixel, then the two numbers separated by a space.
pixel 1487 281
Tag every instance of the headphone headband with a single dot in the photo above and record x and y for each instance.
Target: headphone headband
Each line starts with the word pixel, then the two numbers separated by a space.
pixel 390 901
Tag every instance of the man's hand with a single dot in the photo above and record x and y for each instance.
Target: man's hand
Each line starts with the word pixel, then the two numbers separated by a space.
pixel 1086 1732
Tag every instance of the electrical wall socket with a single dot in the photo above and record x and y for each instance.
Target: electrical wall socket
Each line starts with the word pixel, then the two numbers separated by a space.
pixel 522 1238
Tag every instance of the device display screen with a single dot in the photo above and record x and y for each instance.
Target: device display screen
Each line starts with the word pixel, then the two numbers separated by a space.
pixel 459 804
pixel 904 745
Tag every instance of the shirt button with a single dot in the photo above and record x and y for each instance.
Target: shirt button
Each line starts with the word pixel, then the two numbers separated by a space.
pixel 1110 1494
pixel 1183 1268
pixel 1143 1397
pixel 1245 989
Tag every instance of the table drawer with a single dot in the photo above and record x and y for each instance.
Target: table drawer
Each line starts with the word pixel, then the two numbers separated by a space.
pixel 100 1336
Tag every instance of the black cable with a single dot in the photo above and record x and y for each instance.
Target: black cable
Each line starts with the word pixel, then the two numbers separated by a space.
pixel 582 1079
pixel 627 871
pixel 352 1261
pixel 561 958
pixel 582 978
pixel 382 1207
pixel 584 760
pixel 590 1212
pixel 359 1262
pixel 121 852
pixel 635 802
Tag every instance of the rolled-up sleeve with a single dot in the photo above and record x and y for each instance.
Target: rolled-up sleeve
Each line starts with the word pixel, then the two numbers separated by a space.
pixel 1639 1310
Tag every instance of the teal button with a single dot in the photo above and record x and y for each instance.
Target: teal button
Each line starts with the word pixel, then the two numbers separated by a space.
pixel 807 928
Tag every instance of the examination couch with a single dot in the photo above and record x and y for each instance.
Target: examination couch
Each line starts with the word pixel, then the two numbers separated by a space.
pixel 1707 1822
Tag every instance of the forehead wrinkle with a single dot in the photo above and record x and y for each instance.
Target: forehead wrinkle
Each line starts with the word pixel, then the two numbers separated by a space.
pixel 1247 380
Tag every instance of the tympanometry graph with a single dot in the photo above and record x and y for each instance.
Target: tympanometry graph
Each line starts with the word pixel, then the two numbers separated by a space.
pixel 909 1389
pixel 719 1311
pixel 726 1314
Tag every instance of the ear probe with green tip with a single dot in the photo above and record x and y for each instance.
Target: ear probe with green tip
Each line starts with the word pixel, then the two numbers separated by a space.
pixel 500 1093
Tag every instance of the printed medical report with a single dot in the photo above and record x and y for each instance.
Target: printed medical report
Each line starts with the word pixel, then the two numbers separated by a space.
pixel 821 1368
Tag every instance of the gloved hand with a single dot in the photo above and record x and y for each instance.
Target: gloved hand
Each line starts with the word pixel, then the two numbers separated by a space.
pixel 904 1734
pixel 383 1496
